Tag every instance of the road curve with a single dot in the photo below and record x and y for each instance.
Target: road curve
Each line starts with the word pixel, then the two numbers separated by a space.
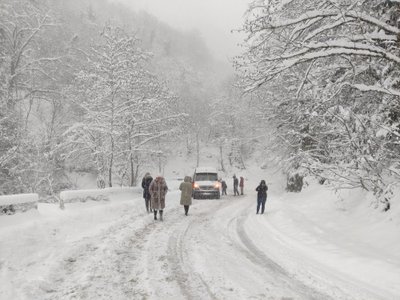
pixel 206 255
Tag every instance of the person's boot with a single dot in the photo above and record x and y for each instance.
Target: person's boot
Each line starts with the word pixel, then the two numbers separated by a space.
pixel 161 215
pixel 155 215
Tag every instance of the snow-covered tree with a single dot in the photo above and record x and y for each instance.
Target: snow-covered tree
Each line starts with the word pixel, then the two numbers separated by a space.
pixel 336 64
pixel 233 124
pixel 122 104
pixel 26 82
pixel 54 80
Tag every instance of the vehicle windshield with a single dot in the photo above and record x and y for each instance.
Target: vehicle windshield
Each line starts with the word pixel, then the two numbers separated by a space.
pixel 206 177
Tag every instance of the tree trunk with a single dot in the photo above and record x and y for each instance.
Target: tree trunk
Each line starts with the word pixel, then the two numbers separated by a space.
pixel 132 171
pixel 136 174
pixel 242 161
pixel 110 166
pixel 188 146
pixel 110 172
pixel 222 159
pixel 197 149
pixel 159 164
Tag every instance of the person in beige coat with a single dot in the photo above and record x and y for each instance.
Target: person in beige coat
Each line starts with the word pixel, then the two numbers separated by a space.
pixel 186 194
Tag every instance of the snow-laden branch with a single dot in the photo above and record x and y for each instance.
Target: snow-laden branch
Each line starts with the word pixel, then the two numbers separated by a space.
pixel 270 73
pixel 375 88
pixel 158 120
pixel 344 46
pixel 324 28
pixel 359 16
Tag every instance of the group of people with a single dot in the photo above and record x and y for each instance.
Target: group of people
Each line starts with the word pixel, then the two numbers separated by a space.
pixel 155 190
pixel 236 185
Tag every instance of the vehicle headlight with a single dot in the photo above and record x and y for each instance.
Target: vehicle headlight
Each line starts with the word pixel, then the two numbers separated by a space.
pixel 217 185
pixel 196 186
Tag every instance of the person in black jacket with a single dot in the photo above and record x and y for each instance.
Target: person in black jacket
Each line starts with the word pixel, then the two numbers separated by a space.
pixel 224 187
pixel 261 196
pixel 147 179
pixel 235 186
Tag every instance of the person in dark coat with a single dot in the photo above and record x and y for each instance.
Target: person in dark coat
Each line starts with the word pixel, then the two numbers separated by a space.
pixel 158 189
pixel 147 179
pixel 224 187
pixel 241 184
pixel 235 185
pixel 261 196
pixel 186 193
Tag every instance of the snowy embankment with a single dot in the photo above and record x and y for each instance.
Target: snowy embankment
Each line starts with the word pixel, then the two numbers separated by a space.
pixel 309 245
pixel 11 204
pixel 322 237
pixel 94 194
pixel 33 242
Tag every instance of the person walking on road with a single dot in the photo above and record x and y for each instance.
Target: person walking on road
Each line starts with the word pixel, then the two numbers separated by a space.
pixel 158 189
pixel 241 184
pixel 261 196
pixel 223 187
pixel 235 186
pixel 147 179
pixel 186 193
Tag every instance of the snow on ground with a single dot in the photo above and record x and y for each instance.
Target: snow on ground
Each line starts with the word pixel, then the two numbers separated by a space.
pixel 18 199
pixel 309 245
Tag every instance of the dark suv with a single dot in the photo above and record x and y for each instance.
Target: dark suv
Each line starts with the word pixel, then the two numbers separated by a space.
pixel 206 184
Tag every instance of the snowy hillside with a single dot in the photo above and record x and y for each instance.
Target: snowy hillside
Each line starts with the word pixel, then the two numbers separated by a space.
pixel 99 99
pixel 308 245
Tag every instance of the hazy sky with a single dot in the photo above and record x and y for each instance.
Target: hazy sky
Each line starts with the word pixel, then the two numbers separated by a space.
pixel 213 18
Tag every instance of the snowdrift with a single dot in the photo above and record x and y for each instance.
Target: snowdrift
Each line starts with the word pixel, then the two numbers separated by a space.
pixel 11 204
pixel 95 194
pixel 84 195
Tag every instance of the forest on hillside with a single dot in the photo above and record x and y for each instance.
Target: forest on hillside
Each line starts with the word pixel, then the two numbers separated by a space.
pixel 91 86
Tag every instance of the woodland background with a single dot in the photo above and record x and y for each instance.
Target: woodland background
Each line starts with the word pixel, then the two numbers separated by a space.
pixel 90 86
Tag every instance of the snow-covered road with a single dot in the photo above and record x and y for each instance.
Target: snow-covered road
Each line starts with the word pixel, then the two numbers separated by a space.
pixel 222 250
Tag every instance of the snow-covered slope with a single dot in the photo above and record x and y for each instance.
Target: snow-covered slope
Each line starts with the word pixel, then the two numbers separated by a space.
pixel 310 245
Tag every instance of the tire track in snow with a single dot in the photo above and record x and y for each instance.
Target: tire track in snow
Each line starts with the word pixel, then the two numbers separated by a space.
pixel 205 225
pixel 101 267
pixel 258 257
pixel 191 284
pixel 184 238
pixel 168 248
